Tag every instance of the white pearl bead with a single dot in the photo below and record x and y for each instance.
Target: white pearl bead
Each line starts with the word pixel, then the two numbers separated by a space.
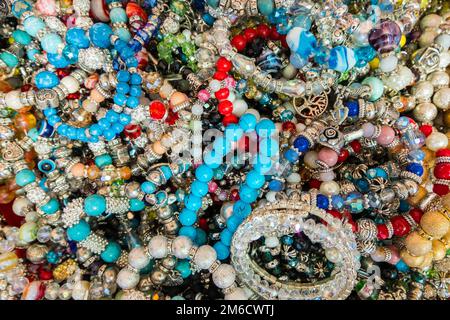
pixel 205 256
pixel 20 204
pixel 271 242
pixel 232 96
pixel 239 107
pixel 237 294
pixel 270 196
pixel 430 21
pixel 427 38
pixel 389 63
pixel 443 40
pixel 310 159
pixel 300 127
pixel 181 246
pixel 224 276
pixel 327 176
pixel 333 255
pixel 436 141
pixel 293 178
pixel 138 258
pixel 442 98
pixel 444 60
pixel 329 188
pixel 127 279
pixel 71 84
pixel 12 100
pixel 439 78
pixel 423 90
pixel 425 112
pixel 255 113
pixel 80 290
pixel 157 247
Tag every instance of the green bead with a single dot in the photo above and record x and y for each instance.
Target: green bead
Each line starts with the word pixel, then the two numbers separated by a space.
pixel 377 87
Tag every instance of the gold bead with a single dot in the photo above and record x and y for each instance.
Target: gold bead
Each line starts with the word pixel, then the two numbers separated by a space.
pixel 435 224
pixel 446 118
pixel 428 260
pixel 439 250
pixel 416 198
pixel 410 260
pixel 417 245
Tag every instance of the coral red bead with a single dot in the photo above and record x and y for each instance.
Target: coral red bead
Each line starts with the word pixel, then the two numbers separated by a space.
pixel 401 226
pixel 223 64
pixel 239 42
pixel 335 214
pixel 356 146
pixel 134 9
pixel 157 110
pixel 172 117
pixel 45 274
pixel 234 195
pixel 222 94
pixel 203 224
pixel 220 75
pixel 61 73
pixel 343 155
pixel 442 171
pixel 225 107
pixel 250 34
pixel 314 183
pixel 426 129
pixel 73 96
pixel 228 119
pixel 132 131
pixel 274 35
pixel 263 31
pixel 383 232
pixel 443 153
pixel 440 189
pixel 26 87
pixel 288 126
pixel 416 214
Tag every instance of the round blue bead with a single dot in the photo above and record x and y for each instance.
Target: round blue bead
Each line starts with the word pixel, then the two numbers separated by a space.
pixel 233 132
pixel 242 209
pixel 301 144
pixel 276 185
pixel 255 180
pixel 77 37
pixel 247 194
pixel 50 42
pixel 225 236
pixel 188 231
pixel 233 223
pixel 123 88
pixel 204 173
pixel 79 232
pixel 200 237
pixel 100 34
pixel 125 118
pixel 199 188
pixel 21 37
pixel 291 155
pixel 148 187
pixel 353 108
pixel 322 201
pixel 24 177
pixel 95 130
pixel 94 205
pixel 247 122
pixel 136 205
pixel 184 268
pixel 265 128
pixel 213 159
pixel 222 250
pixel 415 168
pixel 187 217
pixel 192 202
pixel 402 266
pixel 111 252
pixel 58 60
pixel 50 207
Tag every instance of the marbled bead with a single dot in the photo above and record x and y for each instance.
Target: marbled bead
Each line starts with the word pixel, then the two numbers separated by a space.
pixel 50 42
pixel 341 59
pixel 301 41
pixel 385 36
pixel 33 25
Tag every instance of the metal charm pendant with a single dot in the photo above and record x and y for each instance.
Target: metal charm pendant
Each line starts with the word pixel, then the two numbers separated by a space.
pixel 312 106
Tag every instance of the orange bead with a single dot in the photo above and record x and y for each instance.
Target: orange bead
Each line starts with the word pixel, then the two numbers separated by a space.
pixel 24 122
pixel 95 95
pixel 93 172
pixel 6 195
pixel 125 173
pixel 158 148
pixel 178 98
pixel 77 170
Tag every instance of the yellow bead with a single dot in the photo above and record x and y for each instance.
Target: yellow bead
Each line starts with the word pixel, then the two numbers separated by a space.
pixel 420 194
pixel 374 64
pixel 427 261
pixel 8 261
pixel 435 224
pixel 11 40
pixel 417 245
pixel 402 41
pixel 410 260
pixel 423 4
pixel 439 250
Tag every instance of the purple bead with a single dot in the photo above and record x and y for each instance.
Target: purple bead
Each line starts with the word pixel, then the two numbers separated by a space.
pixel 385 36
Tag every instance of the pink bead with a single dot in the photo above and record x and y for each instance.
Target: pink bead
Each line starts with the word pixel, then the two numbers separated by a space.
pixel 230 82
pixel 212 187
pixel 46 7
pixel 203 95
pixel 386 137
pixel 395 255
pixel 71 21
pixel 223 196
pixel 368 129
pixel 327 176
pixel 329 156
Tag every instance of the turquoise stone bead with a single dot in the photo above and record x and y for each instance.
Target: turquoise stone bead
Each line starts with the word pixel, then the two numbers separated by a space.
pixel 213 3
pixel 71 53
pixel 184 268
pixel 77 37
pixel 123 34
pixel 136 205
pixel 265 7
pixel 21 37
pixel 46 80
pixel 50 42
pixel 99 34
pixel 94 205
pixel 377 87
pixel 111 252
pixel 31 54
pixel 341 59
pixel 79 232
pixel 33 25
pixel 25 177
pixel 50 207
pixel 148 187
pixel 9 59
pixel 118 15
pixel 103 160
